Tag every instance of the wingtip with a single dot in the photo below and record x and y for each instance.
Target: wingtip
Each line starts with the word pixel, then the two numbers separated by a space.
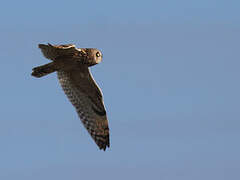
pixel 41 46
pixel 44 45
pixel 104 145
pixel 103 148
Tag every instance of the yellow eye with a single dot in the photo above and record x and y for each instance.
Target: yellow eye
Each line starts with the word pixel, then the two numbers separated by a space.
pixel 98 54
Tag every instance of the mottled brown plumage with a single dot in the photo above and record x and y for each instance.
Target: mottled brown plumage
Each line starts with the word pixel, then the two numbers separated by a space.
pixel 78 84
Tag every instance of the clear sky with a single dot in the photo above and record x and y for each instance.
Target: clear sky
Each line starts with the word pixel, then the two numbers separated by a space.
pixel 170 79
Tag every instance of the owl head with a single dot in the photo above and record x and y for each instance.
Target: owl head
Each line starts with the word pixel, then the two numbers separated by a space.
pixel 93 56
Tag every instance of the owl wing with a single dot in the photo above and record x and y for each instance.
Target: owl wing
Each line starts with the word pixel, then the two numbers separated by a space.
pixel 53 51
pixel 86 97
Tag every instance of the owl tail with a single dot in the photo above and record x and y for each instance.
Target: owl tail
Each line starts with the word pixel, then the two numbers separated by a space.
pixel 44 70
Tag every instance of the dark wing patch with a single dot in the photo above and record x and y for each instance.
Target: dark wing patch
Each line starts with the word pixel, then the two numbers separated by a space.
pixel 100 113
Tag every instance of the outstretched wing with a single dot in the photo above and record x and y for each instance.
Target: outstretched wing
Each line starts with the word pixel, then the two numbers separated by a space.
pixel 52 52
pixel 86 97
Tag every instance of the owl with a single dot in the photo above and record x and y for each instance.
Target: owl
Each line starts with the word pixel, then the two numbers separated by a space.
pixel 72 67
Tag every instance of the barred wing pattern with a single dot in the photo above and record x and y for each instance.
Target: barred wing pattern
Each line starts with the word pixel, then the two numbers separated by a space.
pixel 86 97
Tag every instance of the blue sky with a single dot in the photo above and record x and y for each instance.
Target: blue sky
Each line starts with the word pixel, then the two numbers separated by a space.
pixel 170 79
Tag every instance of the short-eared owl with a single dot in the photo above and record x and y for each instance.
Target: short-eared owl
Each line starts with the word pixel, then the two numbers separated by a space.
pixel 72 66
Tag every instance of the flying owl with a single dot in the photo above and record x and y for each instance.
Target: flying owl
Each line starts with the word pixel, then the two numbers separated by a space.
pixel 72 67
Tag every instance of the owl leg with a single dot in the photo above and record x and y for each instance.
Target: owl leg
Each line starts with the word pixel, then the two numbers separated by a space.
pixel 44 70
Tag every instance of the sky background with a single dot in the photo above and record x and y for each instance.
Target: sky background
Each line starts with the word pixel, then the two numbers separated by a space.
pixel 170 79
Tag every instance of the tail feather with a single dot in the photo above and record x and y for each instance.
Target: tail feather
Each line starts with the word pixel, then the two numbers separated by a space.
pixel 43 70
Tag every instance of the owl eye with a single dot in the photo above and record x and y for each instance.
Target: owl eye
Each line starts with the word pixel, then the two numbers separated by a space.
pixel 98 54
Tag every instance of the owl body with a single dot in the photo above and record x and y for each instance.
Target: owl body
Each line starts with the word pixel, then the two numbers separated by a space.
pixel 72 66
